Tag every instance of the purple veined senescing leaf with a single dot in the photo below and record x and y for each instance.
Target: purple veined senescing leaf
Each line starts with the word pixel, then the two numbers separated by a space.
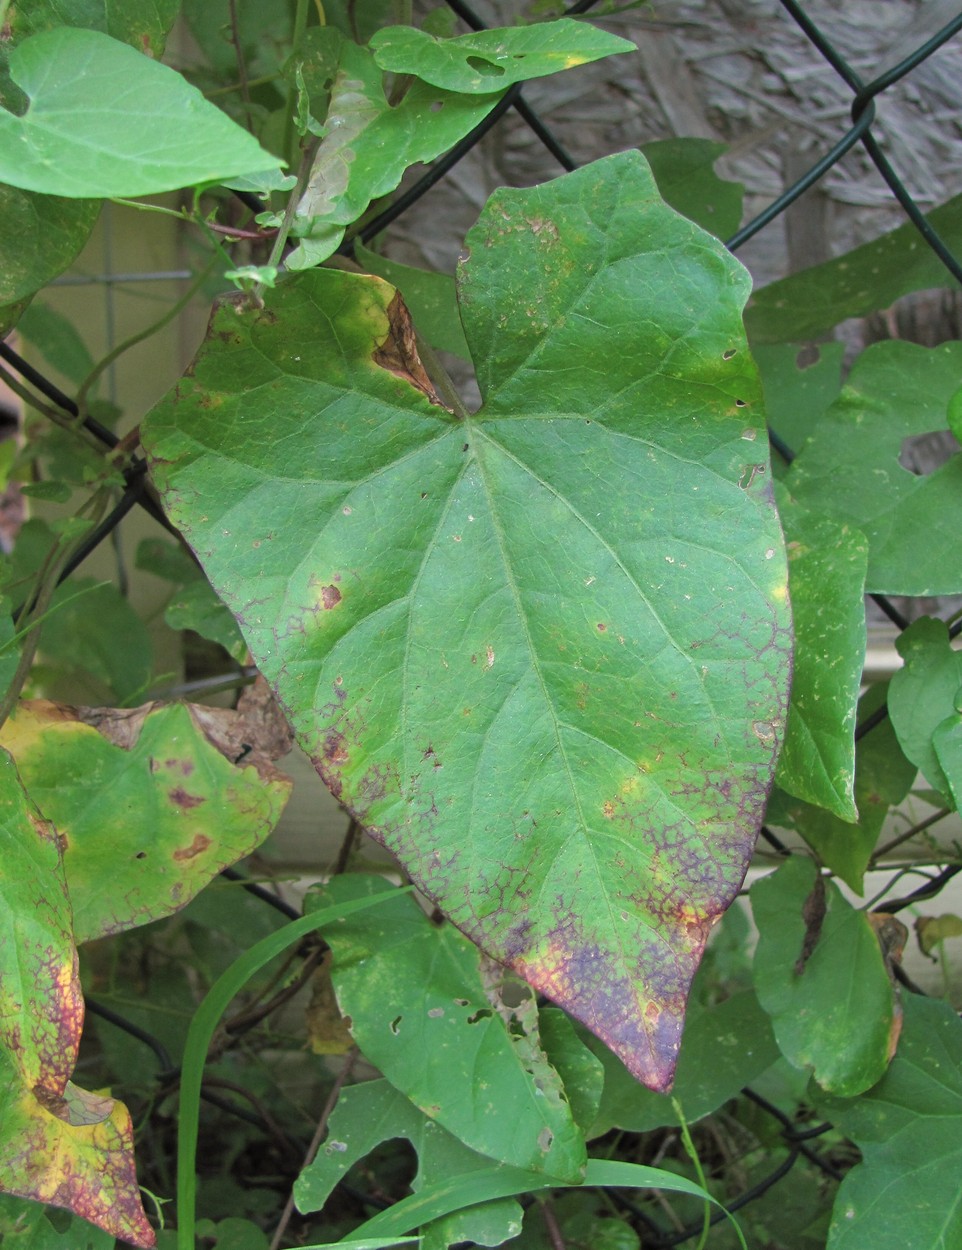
pixel 541 651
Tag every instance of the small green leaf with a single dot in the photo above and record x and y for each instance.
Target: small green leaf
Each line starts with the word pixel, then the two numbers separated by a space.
pixel 850 469
pixel 826 579
pixel 98 633
pixel 368 145
pixel 56 338
pixel 869 277
pixel 883 777
pixel 582 1072
pixel 819 974
pixel 491 60
pixel 905 1191
pixel 374 1112
pixel 231 1234
pixel 69 143
pixel 419 1011
pixel 196 606
pixel 42 235
pixel 923 704
pixel 685 172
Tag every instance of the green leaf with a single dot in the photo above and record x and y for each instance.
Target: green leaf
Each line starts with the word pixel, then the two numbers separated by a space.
pixel 42 1007
pixel 93 629
pixel 259 28
pixel 491 60
pixel 826 579
pixel 56 338
pixel 196 606
pixel 374 1112
pixel 580 1219
pixel 430 297
pixel 59 1145
pixel 542 651
pixel 724 1048
pixel 419 1012
pixel 684 170
pixel 883 777
pixel 69 143
pixel 143 24
pixel 368 145
pixel 196 812
pixel 799 385
pixel 909 1130
pixel 924 704
pixel 819 974
pixel 232 1234
pixel 872 276
pixel 42 235
pixel 850 468
pixel 9 645
pixel 582 1072
pixel 25 1225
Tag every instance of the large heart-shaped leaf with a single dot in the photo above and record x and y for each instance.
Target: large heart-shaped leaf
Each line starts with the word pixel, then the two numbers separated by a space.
pixel 541 651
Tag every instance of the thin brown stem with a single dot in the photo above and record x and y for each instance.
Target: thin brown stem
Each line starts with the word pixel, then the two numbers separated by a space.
pixel 245 1020
pixel 316 1140
pixel 348 847
pixel 555 1235
pixel 245 90
pixel 910 833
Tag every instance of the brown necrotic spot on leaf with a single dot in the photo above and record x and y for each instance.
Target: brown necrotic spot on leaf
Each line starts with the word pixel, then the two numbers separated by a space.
pixel 180 798
pixel 330 597
pixel 398 354
pixel 197 847
pixel 813 913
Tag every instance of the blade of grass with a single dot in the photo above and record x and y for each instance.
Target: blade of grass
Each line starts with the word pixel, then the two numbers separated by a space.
pixel 201 1031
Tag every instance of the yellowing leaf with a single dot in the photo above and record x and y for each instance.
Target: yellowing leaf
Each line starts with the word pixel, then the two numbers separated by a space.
pixel 59 1144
